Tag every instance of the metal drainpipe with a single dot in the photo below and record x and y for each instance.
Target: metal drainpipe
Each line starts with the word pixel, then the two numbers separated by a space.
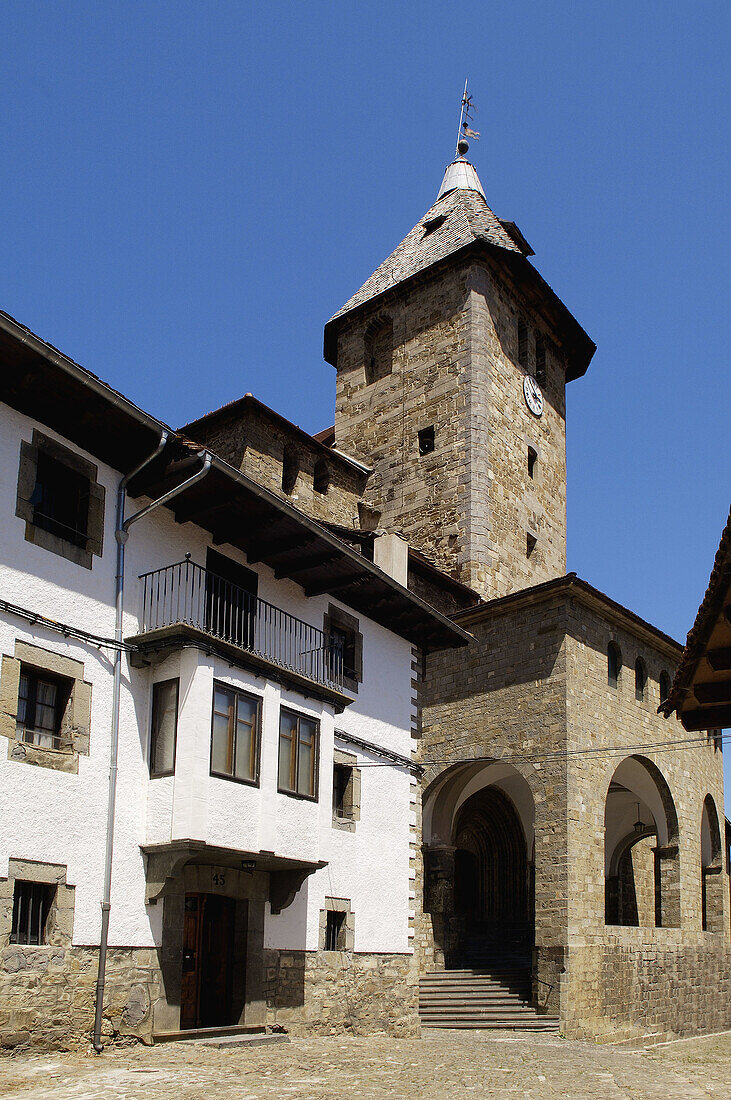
pixel 121 535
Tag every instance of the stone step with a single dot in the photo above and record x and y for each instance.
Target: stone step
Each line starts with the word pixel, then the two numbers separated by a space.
pixel 221 1035
pixel 540 1023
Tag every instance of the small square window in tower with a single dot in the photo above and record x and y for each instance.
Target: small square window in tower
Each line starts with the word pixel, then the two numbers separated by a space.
pixel 334 931
pixel 378 349
pixel 532 459
pixel 426 440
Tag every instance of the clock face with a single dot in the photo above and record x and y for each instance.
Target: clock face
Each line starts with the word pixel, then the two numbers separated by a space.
pixel 532 394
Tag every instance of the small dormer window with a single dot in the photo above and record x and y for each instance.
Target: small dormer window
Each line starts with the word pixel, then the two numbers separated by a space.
pixel 433 223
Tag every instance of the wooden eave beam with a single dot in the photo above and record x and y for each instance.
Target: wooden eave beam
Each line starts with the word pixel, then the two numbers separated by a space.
pixel 706 718
pixel 299 566
pixel 334 583
pixel 720 659
pixel 718 692
pixel 270 549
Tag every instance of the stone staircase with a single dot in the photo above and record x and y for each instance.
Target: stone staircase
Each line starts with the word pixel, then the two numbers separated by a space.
pixel 477 998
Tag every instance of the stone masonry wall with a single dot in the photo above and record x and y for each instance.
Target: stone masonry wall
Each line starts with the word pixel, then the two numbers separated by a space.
pixel 327 992
pixel 47 995
pixel 505 697
pixel 255 443
pixel 625 982
pixel 470 503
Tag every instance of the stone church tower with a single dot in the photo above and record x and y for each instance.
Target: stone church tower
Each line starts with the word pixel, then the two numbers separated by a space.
pixel 438 356
pixel 564 834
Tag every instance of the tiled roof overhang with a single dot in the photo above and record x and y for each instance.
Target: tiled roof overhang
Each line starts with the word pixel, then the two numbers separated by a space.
pixel 575 342
pixel 701 690
pixel 41 382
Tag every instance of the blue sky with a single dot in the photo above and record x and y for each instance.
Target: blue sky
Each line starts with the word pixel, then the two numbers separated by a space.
pixel 191 189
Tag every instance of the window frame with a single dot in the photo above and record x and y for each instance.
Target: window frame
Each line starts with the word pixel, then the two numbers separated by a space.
pixel 335 920
pixel 255 734
pixel 337 619
pixel 156 688
pixel 63 687
pixel 42 895
pixel 80 550
pixel 296 741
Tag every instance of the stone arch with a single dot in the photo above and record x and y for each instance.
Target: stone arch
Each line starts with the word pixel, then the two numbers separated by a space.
pixel 642 877
pixel 479 828
pixel 711 868
pixel 378 348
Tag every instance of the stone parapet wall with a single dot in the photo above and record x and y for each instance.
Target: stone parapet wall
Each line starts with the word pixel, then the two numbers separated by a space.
pixel 47 995
pixel 643 989
pixel 325 992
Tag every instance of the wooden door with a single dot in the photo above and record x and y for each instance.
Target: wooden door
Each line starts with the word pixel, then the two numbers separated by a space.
pixel 208 937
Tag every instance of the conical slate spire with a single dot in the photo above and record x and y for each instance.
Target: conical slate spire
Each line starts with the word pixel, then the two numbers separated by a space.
pixel 460 175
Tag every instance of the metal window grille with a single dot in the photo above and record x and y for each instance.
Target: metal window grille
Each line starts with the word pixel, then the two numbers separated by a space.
pixel 31 905
pixel 334 931
pixel 60 500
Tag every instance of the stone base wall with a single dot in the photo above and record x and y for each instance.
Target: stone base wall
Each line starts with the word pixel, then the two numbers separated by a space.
pixel 47 995
pixel 615 992
pixel 326 992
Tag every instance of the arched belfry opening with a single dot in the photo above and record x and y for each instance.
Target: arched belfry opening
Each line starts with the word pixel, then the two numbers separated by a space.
pixel 478 858
pixel 641 868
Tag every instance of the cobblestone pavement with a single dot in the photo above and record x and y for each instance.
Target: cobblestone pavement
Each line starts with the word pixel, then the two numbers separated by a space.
pixel 453 1064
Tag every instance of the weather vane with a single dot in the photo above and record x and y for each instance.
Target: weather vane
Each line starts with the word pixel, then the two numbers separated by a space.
pixel 465 117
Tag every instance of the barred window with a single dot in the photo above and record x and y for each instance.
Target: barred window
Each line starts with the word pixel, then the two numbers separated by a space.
pixel 334 931
pixel 32 903
pixel 298 752
pixel 60 500
pixel 235 734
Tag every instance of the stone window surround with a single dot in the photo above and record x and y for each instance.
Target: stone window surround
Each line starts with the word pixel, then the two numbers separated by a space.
pixel 338 905
pixel 60 921
pixel 76 720
pixel 27 470
pixel 335 616
pixel 352 798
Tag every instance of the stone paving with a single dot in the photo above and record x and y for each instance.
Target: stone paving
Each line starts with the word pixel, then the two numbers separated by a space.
pixel 453 1064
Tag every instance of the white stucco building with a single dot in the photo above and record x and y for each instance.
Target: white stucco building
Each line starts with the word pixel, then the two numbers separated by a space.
pixel 265 798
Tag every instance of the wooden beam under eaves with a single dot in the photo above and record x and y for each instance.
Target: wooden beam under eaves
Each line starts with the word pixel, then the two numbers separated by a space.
pixel 719 692
pixel 720 659
pixel 707 718
pixel 334 583
pixel 269 549
pixel 306 564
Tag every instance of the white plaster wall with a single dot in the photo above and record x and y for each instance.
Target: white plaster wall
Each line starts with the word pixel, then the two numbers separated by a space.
pixel 53 817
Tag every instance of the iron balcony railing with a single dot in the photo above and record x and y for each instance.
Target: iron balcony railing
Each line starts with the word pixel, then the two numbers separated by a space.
pixel 185 593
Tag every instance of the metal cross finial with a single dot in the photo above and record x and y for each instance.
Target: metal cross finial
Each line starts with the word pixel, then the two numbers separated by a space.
pixel 465 117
